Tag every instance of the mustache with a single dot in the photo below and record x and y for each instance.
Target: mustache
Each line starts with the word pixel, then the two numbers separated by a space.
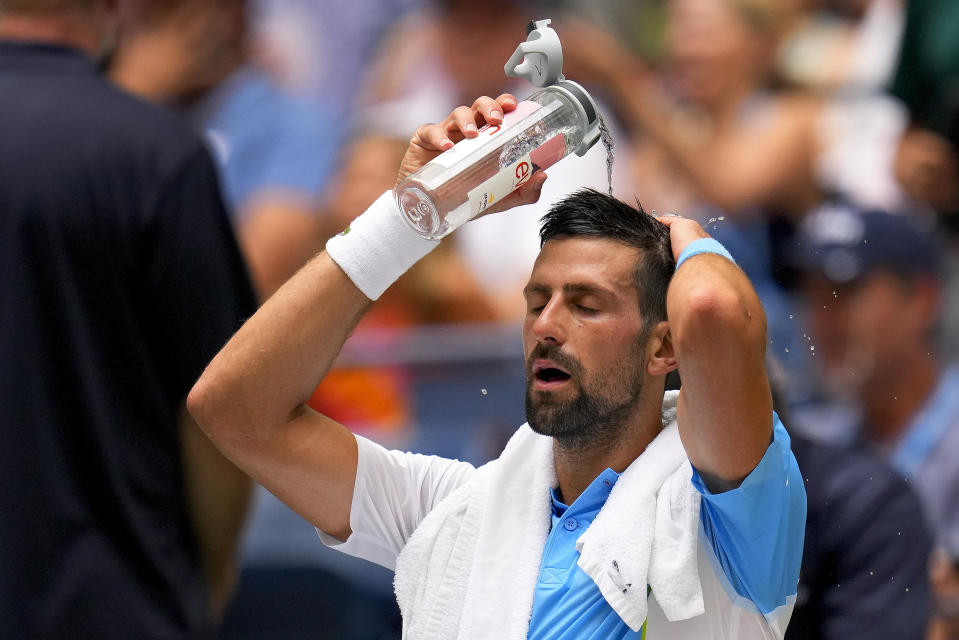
pixel 557 355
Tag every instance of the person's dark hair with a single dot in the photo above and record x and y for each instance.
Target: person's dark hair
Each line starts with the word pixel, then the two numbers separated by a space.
pixel 594 214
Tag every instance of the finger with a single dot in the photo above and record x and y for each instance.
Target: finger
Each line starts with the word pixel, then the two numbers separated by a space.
pixel 463 121
pixel 526 194
pixel 432 137
pixel 487 111
pixel 507 101
pixel 668 218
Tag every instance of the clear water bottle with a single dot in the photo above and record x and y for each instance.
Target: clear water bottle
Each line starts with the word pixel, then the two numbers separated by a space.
pixel 476 173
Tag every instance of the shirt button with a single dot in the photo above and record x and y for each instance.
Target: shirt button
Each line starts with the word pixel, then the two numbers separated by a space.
pixel 570 524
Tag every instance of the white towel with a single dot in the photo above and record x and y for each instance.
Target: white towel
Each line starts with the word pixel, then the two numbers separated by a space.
pixel 647 534
pixel 469 570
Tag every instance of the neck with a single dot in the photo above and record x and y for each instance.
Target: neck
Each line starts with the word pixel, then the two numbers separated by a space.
pixel 892 404
pixel 577 467
pixel 70 30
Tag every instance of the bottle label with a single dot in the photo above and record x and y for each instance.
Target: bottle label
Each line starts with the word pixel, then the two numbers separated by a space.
pixel 511 177
pixel 466 146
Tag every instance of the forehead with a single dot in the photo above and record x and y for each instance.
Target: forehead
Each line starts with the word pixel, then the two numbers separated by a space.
pixel 583 260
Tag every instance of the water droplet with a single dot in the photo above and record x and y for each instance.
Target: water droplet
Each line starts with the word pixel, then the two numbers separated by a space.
pixel 483 391
pixel 812 347
pixel 787 349
pixel 907 589
pixel 721 218
pixel 872 573
pixel 791 316
pixel 835 295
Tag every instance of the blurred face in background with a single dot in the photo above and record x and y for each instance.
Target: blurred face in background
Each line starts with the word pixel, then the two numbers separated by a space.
pixel 866 332
pixel 716 49
pixel 181 50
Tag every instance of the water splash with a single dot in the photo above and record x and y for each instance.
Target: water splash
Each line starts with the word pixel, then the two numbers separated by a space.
pixel 607 139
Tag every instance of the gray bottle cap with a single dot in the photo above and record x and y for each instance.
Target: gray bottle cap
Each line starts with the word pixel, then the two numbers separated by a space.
pixel 540 58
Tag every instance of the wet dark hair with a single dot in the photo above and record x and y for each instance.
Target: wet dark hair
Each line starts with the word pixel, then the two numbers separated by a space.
pixel 594 214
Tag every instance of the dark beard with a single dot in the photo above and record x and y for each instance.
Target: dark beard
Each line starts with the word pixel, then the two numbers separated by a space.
pixel 587 420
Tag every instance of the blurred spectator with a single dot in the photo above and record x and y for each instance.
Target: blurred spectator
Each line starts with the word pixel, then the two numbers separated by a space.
pixel 729 140
pixel 927 163
pixel 119 278
pixel 865 560
pixel 322 48
pixel 927 81
pixel 447 55
pixel 839 44
pixel 275 150
pixel 873 291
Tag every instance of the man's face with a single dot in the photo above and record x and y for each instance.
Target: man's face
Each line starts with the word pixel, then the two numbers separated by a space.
pixel 583 340
pixel 862 332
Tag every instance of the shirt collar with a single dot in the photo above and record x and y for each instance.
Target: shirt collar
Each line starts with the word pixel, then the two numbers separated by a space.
pixel 592 499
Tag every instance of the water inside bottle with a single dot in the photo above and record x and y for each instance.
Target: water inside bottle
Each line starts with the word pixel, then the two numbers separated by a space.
pixel 607 139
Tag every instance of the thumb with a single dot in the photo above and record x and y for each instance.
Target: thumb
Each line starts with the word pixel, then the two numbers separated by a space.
pixel 528 193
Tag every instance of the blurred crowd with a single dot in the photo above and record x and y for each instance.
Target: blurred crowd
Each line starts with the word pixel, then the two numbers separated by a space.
pixel 818 140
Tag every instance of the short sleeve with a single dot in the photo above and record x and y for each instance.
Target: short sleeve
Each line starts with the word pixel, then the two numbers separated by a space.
pixel 756 531
pixel 393 492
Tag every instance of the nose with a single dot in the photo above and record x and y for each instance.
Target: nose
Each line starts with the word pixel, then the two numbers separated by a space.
pixel 549 325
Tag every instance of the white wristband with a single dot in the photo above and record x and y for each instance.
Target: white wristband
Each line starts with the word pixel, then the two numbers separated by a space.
pixel 378 247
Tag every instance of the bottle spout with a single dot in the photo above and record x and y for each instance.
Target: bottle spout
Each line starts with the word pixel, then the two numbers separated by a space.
pixel 540 58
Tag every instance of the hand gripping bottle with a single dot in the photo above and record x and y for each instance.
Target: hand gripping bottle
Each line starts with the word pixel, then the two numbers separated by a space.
pixel 476 173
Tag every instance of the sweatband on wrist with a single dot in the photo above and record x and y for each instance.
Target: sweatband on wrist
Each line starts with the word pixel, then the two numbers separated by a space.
pixel 703 245
pixel 378 247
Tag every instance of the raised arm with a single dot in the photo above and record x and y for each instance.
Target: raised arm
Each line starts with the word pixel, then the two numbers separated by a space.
pixel 718 330
pixel 251 398
pixel 750 164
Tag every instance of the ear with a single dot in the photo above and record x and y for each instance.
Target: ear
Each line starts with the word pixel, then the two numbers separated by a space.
pixel 660 356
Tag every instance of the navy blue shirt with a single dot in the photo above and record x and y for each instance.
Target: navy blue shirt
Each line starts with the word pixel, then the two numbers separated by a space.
pixel 864 569
pixel 119 280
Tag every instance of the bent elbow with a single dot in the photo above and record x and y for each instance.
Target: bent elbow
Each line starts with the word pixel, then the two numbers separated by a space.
pixel 213 408
pixel 714 312
pixel 200 403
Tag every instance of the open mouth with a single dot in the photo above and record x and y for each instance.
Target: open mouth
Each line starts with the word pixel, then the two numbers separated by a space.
pixel 547 375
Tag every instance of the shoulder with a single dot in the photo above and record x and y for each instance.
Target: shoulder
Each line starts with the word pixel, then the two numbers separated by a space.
pixel 120 130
